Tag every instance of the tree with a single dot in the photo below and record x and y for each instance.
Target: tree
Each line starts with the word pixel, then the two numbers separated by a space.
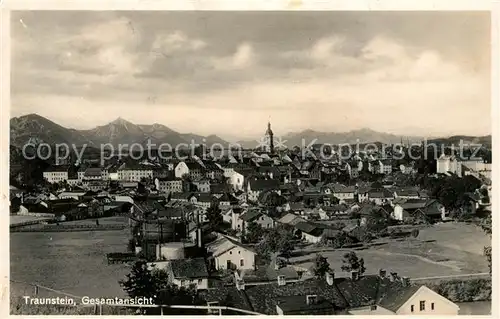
pixel 321 266
pixel 214 216
pixel 276 240
pixel 139 282
pixel 155 283
pixel 254 232
pixel 351 262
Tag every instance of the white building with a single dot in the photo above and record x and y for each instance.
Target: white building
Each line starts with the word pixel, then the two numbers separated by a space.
pixel 446 163
pixel 230 254
pixel 56 174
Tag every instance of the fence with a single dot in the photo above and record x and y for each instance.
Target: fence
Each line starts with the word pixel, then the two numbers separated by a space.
pixel 67 228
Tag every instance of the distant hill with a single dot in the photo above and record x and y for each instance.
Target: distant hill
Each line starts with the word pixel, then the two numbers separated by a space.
pixel 352 137
pixel 466 140
pixel 37 128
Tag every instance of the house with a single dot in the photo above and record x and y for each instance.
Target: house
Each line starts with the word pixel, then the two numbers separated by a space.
pixel 368 209
pixel 134 173
pixel 227 253
pixel 428 209
pixel 212 170
pixel 380 196
pixel 227 200
pixel 187 272
pixel 56 174
pixel 343 192
pixel 296 207
pixel 169 184
pixel 385 166
pixel 255 187
pixel 335 295
pixel 407 193
pixel 238 177
pixel 447 163
pixel 309 232
pixel 94 173
pixel 290 219
pixel 203 185
pixel 257 216
pixel 401 298
pixel 203 200
pixel 181 169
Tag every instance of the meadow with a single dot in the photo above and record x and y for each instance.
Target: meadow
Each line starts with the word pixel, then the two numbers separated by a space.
pixel 73 262
pixel 440 250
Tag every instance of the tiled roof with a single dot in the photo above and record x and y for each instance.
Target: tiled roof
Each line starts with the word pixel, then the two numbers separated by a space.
pixel 223 244
pixel 379 193
pixel 298 305
pixel 264 184
pixel 189 268
pixel 413 204
pixel 291 219
pixel 264 297
pixel 58 168
pixel 395 297
pixel 251 215
pixel 226 295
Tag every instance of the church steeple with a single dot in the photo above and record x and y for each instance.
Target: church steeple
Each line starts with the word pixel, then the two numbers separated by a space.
pixel 270 136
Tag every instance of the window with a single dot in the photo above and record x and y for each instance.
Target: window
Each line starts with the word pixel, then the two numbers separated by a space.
pixel 432 306
pixel 373 308
pixel 422 305
pixel 239 252
pixel 412 308
pixel 242 262
pixel 230 253
pixel 200 281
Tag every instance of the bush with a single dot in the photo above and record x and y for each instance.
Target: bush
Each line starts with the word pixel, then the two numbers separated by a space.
pixel 463 290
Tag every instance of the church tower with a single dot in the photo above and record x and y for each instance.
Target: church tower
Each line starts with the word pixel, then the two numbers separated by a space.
pixel 270 137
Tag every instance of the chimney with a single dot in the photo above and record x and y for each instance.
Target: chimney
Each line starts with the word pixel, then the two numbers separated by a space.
pixel 405 281
pixel 393 276
pixel 330 275
pixel 240 284
pixel 354 275
pixel 382 273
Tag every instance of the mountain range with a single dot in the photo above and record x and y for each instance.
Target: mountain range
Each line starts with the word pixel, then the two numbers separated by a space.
pixel 120 131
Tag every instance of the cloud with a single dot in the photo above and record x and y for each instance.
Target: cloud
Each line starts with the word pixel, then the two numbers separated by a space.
pixel 244 57
pixel 175 42
pixel 326 80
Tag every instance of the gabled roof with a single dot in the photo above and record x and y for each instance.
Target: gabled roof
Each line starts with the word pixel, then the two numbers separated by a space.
pixel 224 244
pixel 397 296
pixel 93 171
pixel 251 215
pixel 291 219
pixel 189 268
pixel 379 193
pixel 306 227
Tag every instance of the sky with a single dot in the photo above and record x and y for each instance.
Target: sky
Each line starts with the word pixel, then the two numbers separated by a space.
pixel 228 73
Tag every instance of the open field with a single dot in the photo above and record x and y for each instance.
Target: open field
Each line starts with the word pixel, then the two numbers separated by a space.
pixel 74 262
pixel 440 250
pixel 460 236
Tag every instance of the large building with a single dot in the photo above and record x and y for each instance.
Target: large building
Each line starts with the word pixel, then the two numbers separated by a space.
pixel 56 174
